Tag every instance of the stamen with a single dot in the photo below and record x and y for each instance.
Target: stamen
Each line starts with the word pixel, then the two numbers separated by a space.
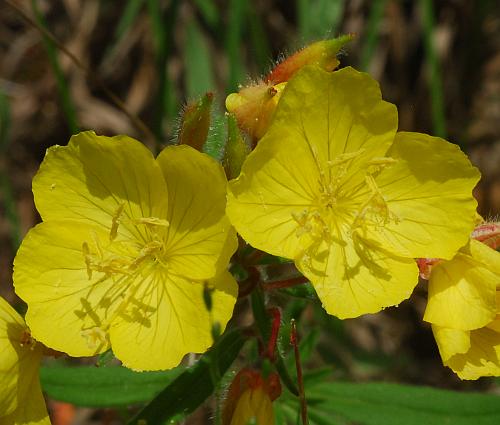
pixel 115 221
pixel 87 258
pixel 95 337
pixel 152 221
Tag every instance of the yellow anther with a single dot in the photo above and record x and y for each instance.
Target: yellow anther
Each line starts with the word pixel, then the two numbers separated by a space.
pixel 115 221
pixel 88 259
pixel 152 221
pixel 382 160
pixel 95 337
pixel 344 157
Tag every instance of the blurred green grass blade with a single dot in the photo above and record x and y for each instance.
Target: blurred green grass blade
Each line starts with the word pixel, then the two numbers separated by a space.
pixel 198 63
pixel 90 386
pixel 318 19
pixel 372 33
pixel 5 184
pixel 10 209
pixel 436 87
pixel 261 51
pixel 62 84
pixel 162 27
pixel 127 19
pixel 4 121
pixel 209 12
pixel 195 385
pixel 394 404
pixel 234 34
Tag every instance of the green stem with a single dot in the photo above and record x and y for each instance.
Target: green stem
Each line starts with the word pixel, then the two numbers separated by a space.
pixel 436 88
pixel 372 33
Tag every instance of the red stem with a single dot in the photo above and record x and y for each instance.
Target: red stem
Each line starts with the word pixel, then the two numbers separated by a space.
pixel 300 379
pixel 275 328
pixel 287 283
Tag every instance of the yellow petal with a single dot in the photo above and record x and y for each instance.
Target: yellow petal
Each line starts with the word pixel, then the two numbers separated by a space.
pixel 255 407
pixel 355 278
pixel 275 183
pixel 451 341
pixel 483 357
pixel 21 400
pixel 336 113
pixel 11 330
pixel 66 306
pixel 429 193
pixel 462 291
pixel 95 179
pixel 31 409
pixel 169 319
pixel 200 239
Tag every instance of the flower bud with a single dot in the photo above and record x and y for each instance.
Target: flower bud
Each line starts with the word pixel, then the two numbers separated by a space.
pixel 254 106
pixel 250 397
pixel 322 53
pixel 196 122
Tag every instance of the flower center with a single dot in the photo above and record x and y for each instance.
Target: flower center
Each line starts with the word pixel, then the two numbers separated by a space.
pixel 126 261
pixel 341 206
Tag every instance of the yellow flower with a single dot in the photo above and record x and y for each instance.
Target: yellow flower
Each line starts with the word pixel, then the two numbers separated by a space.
pixel 125 248
pixel 333 186
pixel 249 399
pixel 464 309
pixel 21 399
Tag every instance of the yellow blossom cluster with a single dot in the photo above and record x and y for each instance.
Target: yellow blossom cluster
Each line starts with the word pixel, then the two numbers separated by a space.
pixel 128 243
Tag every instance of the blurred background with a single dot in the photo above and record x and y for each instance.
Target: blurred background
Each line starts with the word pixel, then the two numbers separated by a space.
pixel 438 61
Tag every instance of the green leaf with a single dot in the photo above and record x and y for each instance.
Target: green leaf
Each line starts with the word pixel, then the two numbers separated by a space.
pixel 319 18
pixel 197 61
pixel 5 121
pixel 209 11
pixel 305 290
pixel 125 24
pixel 234 33
pixel 395 404
pixel 195 385
pixel 67 104
pixel 91 386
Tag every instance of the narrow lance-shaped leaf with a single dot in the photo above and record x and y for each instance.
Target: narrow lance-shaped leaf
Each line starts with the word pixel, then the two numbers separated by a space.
pixel 195 385
pixel 91 386
pixel 394 404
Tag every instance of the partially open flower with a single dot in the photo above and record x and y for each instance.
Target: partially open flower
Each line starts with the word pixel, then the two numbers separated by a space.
pixel 254 107
pixel 464 309
pixel 250 397
pixel 21 399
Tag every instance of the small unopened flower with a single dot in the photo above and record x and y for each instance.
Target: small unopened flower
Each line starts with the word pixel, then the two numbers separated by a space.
pixel 334 186
pixel 249 399
pixel 254 105
pixel 21 399
pixel 126 247
pixel 464 309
